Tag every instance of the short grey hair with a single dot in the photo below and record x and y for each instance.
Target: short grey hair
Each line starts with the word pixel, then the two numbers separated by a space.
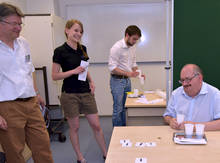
pixel 7 9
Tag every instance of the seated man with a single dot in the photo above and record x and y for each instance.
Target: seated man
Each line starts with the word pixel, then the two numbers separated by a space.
pixel 197 100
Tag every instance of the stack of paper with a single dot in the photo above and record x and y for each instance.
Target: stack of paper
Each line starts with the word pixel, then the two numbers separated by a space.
pixel 145 101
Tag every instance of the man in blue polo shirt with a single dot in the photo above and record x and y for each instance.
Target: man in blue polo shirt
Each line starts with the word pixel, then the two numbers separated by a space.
pixel 197 100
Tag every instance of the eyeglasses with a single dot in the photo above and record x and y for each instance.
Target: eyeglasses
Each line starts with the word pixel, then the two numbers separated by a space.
pixel 14 24
pixel 187 80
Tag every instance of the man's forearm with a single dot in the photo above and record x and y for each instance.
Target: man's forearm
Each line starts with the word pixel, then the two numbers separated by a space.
pixel 118 71
pixel 212 125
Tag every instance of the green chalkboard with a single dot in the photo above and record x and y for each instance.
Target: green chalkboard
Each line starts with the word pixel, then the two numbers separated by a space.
pixel 197 38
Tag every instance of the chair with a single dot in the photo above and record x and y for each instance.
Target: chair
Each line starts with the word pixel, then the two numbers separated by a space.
pixel 54 115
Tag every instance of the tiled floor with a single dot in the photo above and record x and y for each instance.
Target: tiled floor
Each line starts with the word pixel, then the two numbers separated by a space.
pixel 63 152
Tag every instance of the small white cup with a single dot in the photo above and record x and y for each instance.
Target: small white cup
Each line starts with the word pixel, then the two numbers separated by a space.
pixel 180 118
pixel 139 71
pixel 142 80
pixel 200 130
pixel 136 92
pixel 189 130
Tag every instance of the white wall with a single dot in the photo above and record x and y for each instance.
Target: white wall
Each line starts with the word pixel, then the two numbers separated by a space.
pixel 155 73
pixel 63 4
pixel 110 23
pixel 40 7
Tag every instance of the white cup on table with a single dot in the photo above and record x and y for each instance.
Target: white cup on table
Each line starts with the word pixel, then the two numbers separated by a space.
pixel 136 93
pixel 189 130
pixel 199 130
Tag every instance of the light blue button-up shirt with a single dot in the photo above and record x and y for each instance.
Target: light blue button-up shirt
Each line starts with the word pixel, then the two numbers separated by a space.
pixel 203 107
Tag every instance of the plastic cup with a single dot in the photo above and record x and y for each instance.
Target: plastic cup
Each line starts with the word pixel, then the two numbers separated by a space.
pixel 136 92
pixel 200 130
pixel 180 118
pixel 189 130
pixel 139 71
pixel 142 80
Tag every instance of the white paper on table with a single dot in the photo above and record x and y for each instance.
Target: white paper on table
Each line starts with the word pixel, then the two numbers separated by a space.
pixel 141 160
pixel 156 101
pixel 123 141
pixel 140 144
pixel 149 92
pixel 82 76
pixel 128 144
pixel 142 100
pixel 161 93
pixel 145 101
pixel 151 144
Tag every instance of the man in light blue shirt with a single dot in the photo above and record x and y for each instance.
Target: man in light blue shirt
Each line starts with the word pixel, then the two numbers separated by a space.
pixel 197 100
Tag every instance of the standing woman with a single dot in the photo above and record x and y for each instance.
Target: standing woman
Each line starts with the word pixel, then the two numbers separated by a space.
pixel 77 96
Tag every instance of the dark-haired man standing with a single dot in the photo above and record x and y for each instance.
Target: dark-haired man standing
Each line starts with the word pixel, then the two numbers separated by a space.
pixel 122 64
pixel 20 116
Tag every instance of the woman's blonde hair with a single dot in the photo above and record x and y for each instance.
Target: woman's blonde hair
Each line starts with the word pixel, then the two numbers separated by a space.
pixel 69 25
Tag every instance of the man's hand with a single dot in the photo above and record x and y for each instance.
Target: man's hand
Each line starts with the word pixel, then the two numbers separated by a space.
pixel 3 123
pixel 133 74
pixel 173 124
pixel 143 76
pixel 40 100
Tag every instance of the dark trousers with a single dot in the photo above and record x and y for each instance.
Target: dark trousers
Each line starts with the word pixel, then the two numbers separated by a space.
pixel 2 157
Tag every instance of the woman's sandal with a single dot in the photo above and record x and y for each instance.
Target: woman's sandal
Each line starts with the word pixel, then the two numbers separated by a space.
pixel 81 161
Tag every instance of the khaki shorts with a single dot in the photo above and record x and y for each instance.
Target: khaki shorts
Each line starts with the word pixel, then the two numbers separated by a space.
pixel 74 104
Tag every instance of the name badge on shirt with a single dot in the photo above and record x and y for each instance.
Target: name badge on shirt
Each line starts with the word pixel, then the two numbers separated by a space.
pixel 27 58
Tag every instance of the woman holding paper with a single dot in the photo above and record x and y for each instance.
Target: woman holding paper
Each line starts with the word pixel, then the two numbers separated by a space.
pixel 78 88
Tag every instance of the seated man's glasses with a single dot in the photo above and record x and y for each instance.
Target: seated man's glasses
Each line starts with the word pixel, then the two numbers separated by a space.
pixel 187 80
pixel 12 23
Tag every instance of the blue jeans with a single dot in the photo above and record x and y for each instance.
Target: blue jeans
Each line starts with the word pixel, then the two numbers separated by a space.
pixel 119 87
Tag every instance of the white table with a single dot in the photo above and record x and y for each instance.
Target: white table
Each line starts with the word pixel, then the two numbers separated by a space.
pixel 166 150
pixel 140 113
